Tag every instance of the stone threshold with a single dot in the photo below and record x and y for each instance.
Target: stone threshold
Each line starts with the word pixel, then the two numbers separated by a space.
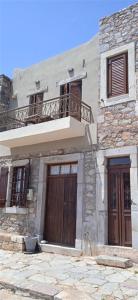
pixel 35 289
pixel 56 249
pixel 114 261
pixel 126 252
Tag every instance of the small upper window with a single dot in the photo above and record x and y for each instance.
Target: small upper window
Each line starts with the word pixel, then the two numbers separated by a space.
pixel 117 75
pixel 118 161
pixel 62 169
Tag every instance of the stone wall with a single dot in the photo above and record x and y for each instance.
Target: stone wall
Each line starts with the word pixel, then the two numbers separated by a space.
pixel 118 123
pixel 118 126
pixel 5 89
pixel 11 242
pixel 89 202
pixel 13 223
pixel 17 223
pixel 137 72
pixel 119 29
pixel 23 224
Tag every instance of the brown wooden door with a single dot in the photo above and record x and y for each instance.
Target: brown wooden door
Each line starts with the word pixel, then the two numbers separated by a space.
pixel 54 209
pixel 76 95
pixel 69 210
pixel 60 221
pixel 119 206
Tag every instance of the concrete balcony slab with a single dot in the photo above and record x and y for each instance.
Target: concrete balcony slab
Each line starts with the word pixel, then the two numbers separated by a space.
pixel 54 130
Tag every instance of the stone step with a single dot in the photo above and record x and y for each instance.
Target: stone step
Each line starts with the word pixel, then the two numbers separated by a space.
pixel 36 290
pixel 120 251
pixel 114 261
pixel 11 242
pixel 60 250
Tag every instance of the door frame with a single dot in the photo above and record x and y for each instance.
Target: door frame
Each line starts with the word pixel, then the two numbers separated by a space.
pixel 102 192
pixel 113 169
pixel 42 192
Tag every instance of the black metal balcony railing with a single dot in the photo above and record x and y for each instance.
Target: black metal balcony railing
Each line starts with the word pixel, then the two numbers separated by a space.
pixel 56 108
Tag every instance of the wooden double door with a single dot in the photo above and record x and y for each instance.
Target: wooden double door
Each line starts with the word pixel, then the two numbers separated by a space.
pixel 60 218
pixel 119 206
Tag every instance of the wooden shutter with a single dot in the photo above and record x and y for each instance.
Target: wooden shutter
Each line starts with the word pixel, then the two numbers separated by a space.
pixel 64 101
pixel 36 104
pixel 75 90
pixel 31 107
pixel 117 75
pixel 27 177
pixel 3 185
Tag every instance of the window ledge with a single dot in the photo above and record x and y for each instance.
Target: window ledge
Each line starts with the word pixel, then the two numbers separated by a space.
pixel 15 210
pixel 116 100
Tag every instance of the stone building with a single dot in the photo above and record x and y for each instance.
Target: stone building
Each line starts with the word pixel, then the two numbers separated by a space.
pixel 5 91
pixel 68 146
pixel 48 151
pixel 117 156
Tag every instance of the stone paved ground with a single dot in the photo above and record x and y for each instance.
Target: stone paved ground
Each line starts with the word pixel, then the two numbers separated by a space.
pixel 74 278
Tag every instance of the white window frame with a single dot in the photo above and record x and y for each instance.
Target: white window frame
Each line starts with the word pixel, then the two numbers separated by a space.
pixel 105 101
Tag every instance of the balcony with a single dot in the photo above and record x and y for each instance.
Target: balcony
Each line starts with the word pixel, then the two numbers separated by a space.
pixel 58 118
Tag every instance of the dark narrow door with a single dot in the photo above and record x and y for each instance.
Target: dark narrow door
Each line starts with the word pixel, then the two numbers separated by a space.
pixel 113 207
pixel 60 221
pixel 126 207
pixel 3 185
pixel 54 209
pixel 69 218
pixel 76 95
pixel 119 206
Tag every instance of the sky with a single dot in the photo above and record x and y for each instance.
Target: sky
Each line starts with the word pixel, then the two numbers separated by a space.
pixel 34 30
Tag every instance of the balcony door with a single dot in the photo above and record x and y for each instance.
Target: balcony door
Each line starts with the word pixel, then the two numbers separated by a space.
pixel 36 104
pixel 70 105
pixel 119 203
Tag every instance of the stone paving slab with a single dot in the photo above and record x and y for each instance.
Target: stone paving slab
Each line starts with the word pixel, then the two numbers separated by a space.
pixel 59 277
pixel 131 284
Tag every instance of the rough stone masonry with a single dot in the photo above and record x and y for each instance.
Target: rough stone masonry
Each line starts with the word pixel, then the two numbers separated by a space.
pixel 117 125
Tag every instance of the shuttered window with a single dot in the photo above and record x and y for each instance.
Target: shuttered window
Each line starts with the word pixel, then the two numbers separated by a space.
pixel 20 183
pixel 3 185
pixel 117 75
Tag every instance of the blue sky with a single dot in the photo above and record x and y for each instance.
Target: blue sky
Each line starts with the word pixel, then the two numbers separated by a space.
pixel 33 30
